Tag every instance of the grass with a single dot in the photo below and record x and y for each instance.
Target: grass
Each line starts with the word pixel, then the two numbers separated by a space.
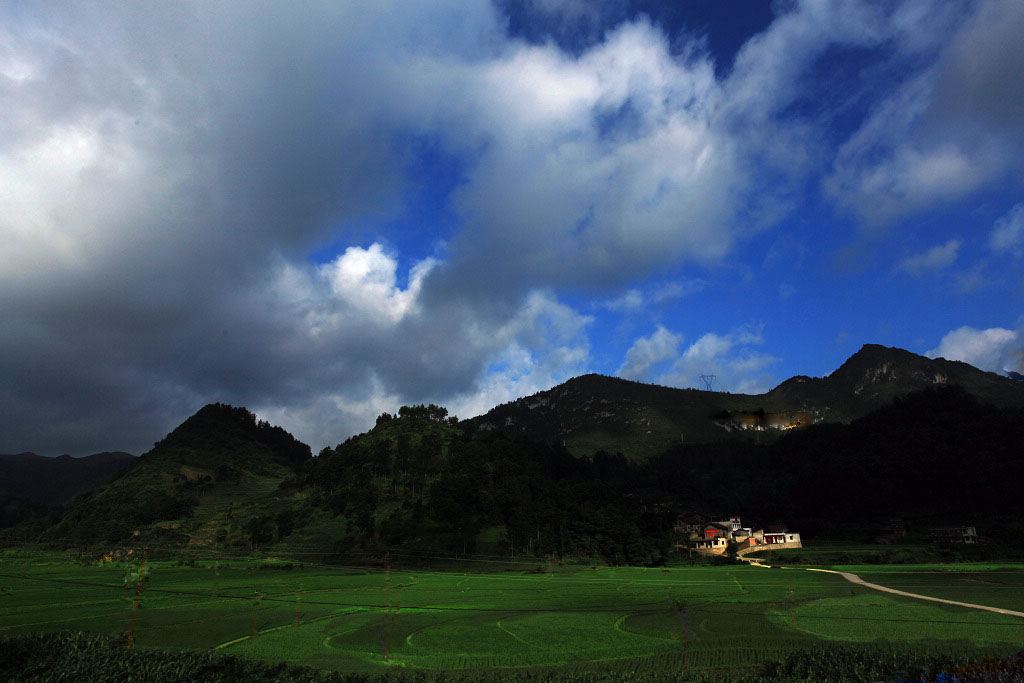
pixel 621 619
pixel 994 585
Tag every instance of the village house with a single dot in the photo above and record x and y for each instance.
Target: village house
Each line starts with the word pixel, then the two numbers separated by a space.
pixel 689 523
pixel 713 538
pixel 780 535
pixel 955 534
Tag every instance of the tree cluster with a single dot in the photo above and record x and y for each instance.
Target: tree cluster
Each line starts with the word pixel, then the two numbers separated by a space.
pixel 441 488
pixel 937 455
pixel 421 412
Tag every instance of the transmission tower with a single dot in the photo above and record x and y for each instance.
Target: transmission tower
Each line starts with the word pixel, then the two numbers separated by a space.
pixel 708 381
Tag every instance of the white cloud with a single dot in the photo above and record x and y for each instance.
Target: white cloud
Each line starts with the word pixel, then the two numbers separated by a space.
pixel 769 69
pixel 365 279
pixel 995 349
pixel 952 126
pixel 612 159
pixel 631 301
pixel 327 419
pixel 543 345
pixel 354 296
pixel 1008 232
pixel 647 352
pixel 352 309
pixel 679 289
pixel 737 366
pixel 934 259
pixel 635 301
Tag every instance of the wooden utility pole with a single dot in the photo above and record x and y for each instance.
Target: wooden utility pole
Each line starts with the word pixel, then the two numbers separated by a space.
pixel 135 608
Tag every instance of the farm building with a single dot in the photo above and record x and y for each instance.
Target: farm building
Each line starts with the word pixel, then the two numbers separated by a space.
pixel 689 523
pixel 713 546
pixel 714 538
pixel 955 534
pixel 716 530
pixel 779 535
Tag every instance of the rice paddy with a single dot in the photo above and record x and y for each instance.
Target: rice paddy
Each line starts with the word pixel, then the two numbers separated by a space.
pixel 636 619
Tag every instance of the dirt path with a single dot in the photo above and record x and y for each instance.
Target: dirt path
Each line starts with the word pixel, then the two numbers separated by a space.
pixel 853 578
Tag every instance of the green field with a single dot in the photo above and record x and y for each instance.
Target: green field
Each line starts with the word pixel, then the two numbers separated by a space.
pixel 734 617
pixel 994 585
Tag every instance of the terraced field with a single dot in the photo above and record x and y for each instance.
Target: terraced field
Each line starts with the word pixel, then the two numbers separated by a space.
pixel 575 618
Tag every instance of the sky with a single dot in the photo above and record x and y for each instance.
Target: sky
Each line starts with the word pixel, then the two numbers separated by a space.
pixel 325 210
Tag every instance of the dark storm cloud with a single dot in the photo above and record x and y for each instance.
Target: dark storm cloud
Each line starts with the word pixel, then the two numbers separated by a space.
pixel 171 166
pixel 163 157
pixel 167 168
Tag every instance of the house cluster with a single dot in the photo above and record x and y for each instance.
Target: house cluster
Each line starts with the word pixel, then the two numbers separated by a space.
pixel 966 535
pixel 710 536
pixel 895 531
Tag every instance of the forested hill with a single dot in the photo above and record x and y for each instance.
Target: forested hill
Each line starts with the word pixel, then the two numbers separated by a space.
pixel 425 486
pixel 220 456
pixel 937 456
pixel 220 434
pixel 421 484
pixel 593 412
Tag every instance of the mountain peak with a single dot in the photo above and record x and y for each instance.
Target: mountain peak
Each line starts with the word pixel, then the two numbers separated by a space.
pixel 594 412
pixel 218 431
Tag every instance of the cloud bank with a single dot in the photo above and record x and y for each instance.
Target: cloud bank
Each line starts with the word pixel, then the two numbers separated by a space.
pixel 197 202
pixel 995 349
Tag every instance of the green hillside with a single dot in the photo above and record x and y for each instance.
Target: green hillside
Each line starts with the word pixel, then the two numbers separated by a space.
pixel 594 412
pixel 217 465
pixel 421 483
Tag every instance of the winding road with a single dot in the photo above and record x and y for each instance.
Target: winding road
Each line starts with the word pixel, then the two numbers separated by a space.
pixel 853 578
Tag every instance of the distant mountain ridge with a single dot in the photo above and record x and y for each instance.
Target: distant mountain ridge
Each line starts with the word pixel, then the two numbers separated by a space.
pixel 875 375
pixel 595 412
pixel 52 481
pixel 508 482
